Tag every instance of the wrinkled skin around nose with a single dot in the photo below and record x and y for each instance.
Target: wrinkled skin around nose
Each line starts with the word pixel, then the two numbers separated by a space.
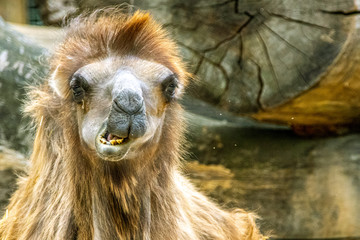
pixel 127 116
pixel 128 101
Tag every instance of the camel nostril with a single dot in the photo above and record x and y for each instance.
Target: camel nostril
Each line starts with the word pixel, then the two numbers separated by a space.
pixel 127 118
pixel 123 125
pixel 128 101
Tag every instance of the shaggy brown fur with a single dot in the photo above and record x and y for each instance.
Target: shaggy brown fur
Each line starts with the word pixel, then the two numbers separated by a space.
pixel 69 188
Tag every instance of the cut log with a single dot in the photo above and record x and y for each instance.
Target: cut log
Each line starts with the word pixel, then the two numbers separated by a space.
pixel 335 101
pixel 284 61
pixel 263 53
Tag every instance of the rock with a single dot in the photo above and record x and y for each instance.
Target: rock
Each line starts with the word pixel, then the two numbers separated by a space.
pixel 210 178
pixel 12 164
pixel 47 37
pixel 301 187
pixel 20 65
pixel 53 12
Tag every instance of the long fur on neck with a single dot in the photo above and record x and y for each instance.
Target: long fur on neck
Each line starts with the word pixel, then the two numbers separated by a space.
pixel 71 194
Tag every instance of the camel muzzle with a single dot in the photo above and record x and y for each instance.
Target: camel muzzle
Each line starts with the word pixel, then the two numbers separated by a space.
pixel 127 118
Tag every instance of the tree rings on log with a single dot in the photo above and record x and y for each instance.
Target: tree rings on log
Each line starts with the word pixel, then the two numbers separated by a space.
pixel 333 104
pixel 280 61
pixel 255 55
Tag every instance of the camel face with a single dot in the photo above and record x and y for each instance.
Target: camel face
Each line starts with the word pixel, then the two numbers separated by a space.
pixel 121 104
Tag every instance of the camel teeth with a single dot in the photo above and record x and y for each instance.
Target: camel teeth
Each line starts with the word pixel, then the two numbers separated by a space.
pixel 111 142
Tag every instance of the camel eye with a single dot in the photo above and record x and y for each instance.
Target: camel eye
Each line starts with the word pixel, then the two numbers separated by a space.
pixel 169 86
pixel 78 86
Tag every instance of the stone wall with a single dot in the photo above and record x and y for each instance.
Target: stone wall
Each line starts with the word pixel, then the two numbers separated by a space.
pixel 300 187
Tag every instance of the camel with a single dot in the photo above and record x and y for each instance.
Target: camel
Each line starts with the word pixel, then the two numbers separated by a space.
pixel 106 160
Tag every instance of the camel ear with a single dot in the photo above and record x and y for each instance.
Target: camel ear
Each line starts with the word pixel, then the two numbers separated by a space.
pixel 59 87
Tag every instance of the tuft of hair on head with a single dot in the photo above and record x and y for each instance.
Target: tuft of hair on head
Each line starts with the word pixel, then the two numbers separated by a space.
pixel 111 32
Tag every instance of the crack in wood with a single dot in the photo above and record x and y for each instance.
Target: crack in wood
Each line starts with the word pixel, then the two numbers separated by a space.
pixel 219 66
pixel 236 6
pixel 266 51
pixel 266 14
pixel 190 48
pixel 198 65
pixel 227 79
pixel 261 85
pixel 241 47
pixel 297 21
pixel 195 52
pixel 302 76
pixel 204 58
pixel 345 13
pixel 214 5
pixel 284 40
pixel 228 39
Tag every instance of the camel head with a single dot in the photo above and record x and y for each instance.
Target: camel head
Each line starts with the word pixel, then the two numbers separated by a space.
pixel 121 103
pixel 122 74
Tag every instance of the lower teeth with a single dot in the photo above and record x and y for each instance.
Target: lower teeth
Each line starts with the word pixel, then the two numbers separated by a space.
pixel 111 142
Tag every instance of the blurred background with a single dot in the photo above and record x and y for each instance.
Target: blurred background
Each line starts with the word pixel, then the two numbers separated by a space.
pixel 273 120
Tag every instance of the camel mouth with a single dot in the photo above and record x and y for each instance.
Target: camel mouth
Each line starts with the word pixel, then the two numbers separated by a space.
pixel 110 146
pixel 111 139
